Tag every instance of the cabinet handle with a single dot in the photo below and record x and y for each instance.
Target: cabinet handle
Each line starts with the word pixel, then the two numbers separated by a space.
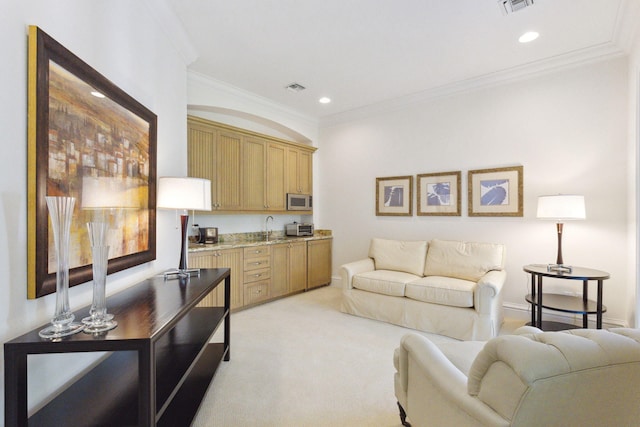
pixel 258 275
pixel 259 291
pixel 257 263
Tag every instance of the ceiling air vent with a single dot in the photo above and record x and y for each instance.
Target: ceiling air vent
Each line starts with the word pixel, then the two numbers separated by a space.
pixel 510 6
pixel 295 87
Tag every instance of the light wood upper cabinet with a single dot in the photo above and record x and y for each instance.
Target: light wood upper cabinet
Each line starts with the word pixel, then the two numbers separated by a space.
pixel 216 155
pixel 276 190
pixel 202 150
pixel 228 167
pixel 249 172
pixel 253 174
pixel 300 169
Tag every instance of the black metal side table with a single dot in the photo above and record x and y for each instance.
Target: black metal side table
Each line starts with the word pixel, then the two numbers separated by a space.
pixel 564 303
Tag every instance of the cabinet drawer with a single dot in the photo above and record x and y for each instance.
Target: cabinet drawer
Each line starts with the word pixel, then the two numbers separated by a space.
pixel 255 275
pixel 256 292
pixel 257 263
pixel 256 251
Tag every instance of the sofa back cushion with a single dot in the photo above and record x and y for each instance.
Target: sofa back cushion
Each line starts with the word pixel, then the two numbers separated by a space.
pixel 399 255
pixel 463 260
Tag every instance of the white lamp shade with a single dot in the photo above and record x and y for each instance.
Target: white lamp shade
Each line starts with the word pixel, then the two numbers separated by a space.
pixel 561 207
pixel 108 192
pixel 184 193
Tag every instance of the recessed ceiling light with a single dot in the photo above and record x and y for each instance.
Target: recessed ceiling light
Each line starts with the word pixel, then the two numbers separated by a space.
pixel 529 36
pixel 324 100
pixel 97 94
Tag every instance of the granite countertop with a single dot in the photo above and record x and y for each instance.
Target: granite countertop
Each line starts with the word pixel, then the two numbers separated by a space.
pixel 244 240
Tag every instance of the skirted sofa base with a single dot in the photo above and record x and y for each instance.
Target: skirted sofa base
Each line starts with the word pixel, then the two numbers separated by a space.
pixel 456 322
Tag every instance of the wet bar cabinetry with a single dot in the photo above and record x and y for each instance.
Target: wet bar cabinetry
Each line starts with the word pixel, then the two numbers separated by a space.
pixel 250 172
pixel 159 367
pixel 268 270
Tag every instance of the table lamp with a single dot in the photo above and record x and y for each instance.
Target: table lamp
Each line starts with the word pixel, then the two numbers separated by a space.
pixel 184 193
pixel 561 207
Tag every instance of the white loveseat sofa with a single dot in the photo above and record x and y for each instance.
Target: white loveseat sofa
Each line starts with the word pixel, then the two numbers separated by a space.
pixel 581 377
pixel 449 288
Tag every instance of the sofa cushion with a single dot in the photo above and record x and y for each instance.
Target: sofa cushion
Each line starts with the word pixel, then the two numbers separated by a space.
pixel 442 290
pixel 384 282
pixel 399 255
pixel 463 260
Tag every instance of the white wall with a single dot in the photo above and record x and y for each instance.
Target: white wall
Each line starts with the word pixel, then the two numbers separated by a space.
pixel 569 131
pixel 120 40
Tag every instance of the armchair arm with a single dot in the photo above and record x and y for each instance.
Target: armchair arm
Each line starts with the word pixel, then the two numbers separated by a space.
pixel 435 390
pixel 488 291
pixel 347 271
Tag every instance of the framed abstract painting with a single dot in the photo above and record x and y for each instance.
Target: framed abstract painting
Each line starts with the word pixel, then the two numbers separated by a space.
pixel 394 196
pixel 496 192
pixel 439 193
pixel 87 139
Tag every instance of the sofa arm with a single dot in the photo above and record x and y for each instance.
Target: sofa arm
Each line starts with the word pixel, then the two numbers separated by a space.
pixel 347 271
pixel 487 291
pixel 435 391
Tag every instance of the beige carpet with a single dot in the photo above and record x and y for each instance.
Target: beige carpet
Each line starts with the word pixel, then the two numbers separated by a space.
pixel 300 362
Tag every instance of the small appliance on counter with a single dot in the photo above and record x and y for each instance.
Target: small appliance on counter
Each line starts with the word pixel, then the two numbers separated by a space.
pixel 208 235
pixel 299 229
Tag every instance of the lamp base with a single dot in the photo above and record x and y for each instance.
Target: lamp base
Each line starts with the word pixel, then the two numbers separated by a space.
pixel 181 272
pixel 560 268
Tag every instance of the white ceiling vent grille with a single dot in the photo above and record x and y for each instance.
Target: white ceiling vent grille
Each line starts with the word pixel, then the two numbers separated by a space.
pixel 510 6
pixel 295 87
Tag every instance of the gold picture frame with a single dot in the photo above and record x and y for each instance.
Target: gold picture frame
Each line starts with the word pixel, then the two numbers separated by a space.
pixel 439 194
pixel 496 192
pixel 394 196
pixel 82 127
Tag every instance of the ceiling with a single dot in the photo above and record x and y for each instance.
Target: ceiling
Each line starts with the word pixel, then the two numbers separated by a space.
pixel 363 53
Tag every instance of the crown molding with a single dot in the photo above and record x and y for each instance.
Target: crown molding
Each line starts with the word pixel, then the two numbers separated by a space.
pixel 165 16
pixel 605 51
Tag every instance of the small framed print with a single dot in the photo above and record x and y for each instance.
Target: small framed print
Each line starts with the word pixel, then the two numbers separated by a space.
pixel 439 193
pixel 496 192
pixel 394 196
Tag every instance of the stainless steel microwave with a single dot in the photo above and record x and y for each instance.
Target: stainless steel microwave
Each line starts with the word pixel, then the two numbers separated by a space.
pixel 299 202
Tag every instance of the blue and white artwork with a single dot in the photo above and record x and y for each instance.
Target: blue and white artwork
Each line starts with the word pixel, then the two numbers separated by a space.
pixel 494 192
pixel 394 196
pixel 439 194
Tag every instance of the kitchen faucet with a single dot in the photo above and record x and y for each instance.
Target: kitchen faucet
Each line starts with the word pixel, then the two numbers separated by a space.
pixel 266 226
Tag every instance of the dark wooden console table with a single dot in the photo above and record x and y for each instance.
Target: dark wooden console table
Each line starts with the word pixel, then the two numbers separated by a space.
pixel 160 366
pixel 565 303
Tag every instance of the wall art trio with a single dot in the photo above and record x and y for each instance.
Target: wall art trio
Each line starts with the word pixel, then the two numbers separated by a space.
pixel 490 192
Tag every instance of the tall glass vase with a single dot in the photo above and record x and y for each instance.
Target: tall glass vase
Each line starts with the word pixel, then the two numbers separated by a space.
pixel 62 324
pixel 99 320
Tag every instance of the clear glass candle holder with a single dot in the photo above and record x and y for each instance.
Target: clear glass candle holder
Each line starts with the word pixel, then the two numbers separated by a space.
pixel 62 324
pixel 99 320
